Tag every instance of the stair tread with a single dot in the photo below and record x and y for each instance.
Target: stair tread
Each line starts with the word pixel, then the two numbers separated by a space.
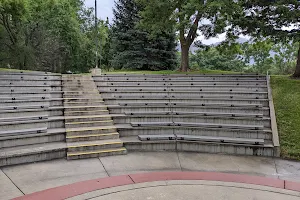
pixel 92 135
pixel 94 143
pixel 89 128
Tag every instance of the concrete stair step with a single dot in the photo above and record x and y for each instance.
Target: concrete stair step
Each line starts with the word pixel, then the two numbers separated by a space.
pixel 89 103
pixel 90 130
pixel 94 145
pixel 92 137
pixel 89 124
pixel 84 108
pixel 86 113
pixel 70 119
pixel 82 100
pixel 96 153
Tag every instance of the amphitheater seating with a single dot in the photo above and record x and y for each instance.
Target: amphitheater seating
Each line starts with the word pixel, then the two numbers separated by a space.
pixel 204 113
pixel 31 117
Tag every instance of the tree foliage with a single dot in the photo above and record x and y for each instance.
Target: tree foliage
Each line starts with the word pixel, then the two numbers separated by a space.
pixel 49 35
pixel 188 17
pixel 133 47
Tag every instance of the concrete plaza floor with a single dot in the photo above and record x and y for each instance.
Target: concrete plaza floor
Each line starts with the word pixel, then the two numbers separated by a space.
pixel 28 178
pixel 191 190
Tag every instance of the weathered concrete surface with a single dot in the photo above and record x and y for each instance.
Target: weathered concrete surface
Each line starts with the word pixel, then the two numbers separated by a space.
pixel 43 175
pixel 201 191
pixel 141 162
pixel 226 163
pixel 288 170
pixel 7 188
pixel 39 176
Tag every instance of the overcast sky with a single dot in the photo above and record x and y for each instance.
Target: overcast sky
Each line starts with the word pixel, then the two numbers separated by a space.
pixel 104 8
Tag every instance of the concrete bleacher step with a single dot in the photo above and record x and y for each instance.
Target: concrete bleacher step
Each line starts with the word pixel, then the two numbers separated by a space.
pixel 201 138
pixel 24 137
pixel 194 119
pixel 32 153
pixel 5 132
pixel 199 101
pixel 134 144
pixel 141 109
pixel 126 130
pixel 207 125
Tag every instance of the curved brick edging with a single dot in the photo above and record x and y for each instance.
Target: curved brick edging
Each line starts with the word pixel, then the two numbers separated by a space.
pixel 79 188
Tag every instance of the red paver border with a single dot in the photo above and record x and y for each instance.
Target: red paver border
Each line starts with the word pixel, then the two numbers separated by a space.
pixel 75 189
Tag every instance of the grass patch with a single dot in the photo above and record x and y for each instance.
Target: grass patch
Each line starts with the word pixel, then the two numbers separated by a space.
pixel 286 96
pixel 170 72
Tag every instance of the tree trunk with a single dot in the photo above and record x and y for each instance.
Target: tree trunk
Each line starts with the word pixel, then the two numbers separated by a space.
pixel 184 58
pixel 297 71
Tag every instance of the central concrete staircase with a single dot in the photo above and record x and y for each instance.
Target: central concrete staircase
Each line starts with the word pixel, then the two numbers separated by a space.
pixel 90 131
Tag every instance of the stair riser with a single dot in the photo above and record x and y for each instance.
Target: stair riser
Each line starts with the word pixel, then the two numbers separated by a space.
pixel 34 113
pixel 31 125
pixel 92 148
pixel 187 109
pixel 94 95
pixel 195 119
pixel 85 108
pixel 227 149
pixel 31 140
pixel 87 113
pixel 91 100
pixel 88 119
pixel 33 158
pixel 195 131
pixel 56 124
pixel 191 101
pixel 92 138
pixel 92 124
pixel 201 148
pixel 78 88
pixel 90 132
pixel 84 103
pixel 96 155
pixel 161 88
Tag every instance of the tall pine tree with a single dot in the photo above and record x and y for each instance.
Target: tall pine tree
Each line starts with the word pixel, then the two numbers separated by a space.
pixel 133 48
